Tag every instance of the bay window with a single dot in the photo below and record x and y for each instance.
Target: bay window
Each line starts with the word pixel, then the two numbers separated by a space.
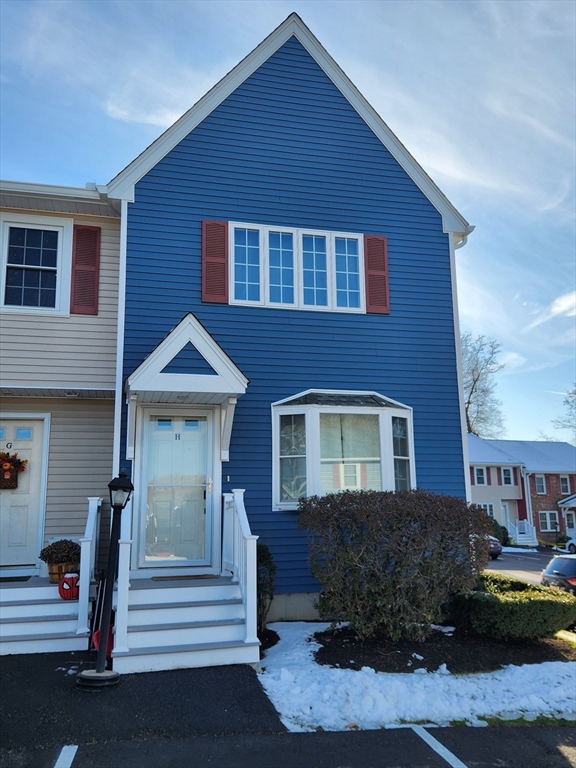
pixel 326 441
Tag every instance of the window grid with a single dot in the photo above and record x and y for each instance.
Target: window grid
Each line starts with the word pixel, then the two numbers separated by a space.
pixel 347 272
pixel 540 484
pixel 314 270
pixel 293 268
pixel 548 521
pixel 31 267
pixel 506 477
pixel 281 267
pixel 480 475
pixel 565 485
pixel 246 264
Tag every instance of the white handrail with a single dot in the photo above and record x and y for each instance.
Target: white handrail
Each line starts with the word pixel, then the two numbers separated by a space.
pixel 239 556
pixel 123 585
pixel 88 547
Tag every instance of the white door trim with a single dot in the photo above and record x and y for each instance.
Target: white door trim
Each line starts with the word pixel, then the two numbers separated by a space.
pixel 46 418
pixel 143 412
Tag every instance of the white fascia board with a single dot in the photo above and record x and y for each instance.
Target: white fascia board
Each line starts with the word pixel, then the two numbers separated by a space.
pixel 149 377
pixel 49 190
pixel 122 185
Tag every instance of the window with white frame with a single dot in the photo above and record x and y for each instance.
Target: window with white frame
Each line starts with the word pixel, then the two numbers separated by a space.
pixel 488 508
pixel 540 484
pixel 480 475
pixel 507 477
pixel 296 268
pixel 36 254
pixel 548 521
pixel 326 441
pixel 564 485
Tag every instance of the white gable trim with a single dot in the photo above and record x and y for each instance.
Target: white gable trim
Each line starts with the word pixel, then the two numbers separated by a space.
pixel 148 377
pixel 122 185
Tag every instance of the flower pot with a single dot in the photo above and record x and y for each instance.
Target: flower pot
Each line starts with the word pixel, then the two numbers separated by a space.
pixel 8 479
pixel 57 571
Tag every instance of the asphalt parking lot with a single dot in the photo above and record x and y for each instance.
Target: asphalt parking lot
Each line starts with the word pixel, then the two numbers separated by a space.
pixel 219 717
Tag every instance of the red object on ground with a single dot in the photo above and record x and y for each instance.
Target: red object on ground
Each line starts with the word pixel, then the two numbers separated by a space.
pixel 68 587
pixel 96 641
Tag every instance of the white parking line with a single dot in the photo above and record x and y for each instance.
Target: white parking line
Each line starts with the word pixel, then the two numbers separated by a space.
pixel 440 749
pixel 66 756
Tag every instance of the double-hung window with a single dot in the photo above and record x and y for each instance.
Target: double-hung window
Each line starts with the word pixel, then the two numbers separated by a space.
pixel 326 441
pixel 548 521
pixel 480 475
pixel 36 262
pixel 540 484
pixel 507 476
pixel 564 485
pixel 296 268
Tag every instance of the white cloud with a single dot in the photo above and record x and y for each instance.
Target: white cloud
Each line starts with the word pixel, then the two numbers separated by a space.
pixel 562 306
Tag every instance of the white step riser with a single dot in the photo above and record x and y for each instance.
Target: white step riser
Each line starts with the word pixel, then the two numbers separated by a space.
pixel 170 614
pixel 60 608
pixel 188 635
pixel 186 659
pixel 41 628
pixel 44 646
pixel 31 593
pixel 181 594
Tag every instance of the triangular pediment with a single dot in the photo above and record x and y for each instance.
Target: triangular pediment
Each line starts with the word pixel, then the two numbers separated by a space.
pixel 122 185
pixel 188 363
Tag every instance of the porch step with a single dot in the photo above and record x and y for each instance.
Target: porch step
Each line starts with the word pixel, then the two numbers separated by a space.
pixel 182 656
pixel 188 632
pixel 34 619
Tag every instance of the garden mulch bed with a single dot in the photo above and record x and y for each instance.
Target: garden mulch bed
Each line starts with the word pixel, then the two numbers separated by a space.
pixel 462 653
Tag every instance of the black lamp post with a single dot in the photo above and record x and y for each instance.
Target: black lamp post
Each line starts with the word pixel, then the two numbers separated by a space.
pixel 120 490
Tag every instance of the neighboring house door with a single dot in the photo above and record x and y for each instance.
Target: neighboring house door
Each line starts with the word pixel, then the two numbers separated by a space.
pixel 176 511
pixel 571 523
pixel 505 513
pixel 20 508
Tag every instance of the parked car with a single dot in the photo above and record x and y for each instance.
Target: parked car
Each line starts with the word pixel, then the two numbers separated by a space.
pixel 570 546
pixel 560 572
pixel 495 548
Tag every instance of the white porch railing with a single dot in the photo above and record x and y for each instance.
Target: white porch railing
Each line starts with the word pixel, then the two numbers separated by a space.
pixel 88 549
pixel 239 556
pixel 123 583
pixel 522 532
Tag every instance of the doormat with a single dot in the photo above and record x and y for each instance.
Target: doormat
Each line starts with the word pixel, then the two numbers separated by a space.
pixel 7 579
pixel 183 578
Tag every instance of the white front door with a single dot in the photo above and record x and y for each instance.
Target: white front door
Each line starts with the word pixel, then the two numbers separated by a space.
pixel 570 523
pixel 20 514
pixel 176 489
pixel 504 513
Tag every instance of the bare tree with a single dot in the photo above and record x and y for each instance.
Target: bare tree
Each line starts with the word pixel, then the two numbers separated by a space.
pixel 568 420
pixel 480 364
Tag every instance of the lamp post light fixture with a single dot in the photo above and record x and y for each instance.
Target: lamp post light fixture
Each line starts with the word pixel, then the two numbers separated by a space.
pixel 120 491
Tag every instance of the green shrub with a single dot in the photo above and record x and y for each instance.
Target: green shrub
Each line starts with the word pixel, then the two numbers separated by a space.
pixel 265 575
pixel 505 608
pixel 387 561
pixel 500 531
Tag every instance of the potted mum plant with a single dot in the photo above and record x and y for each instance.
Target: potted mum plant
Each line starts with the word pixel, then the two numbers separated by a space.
pixel 61 557
pixel 10 466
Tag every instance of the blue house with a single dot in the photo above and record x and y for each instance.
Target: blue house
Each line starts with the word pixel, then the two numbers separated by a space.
pixel 290 329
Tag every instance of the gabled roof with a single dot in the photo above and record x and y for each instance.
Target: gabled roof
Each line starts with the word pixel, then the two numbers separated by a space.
pixel 122 185
pixel 535 455
pixel 217 378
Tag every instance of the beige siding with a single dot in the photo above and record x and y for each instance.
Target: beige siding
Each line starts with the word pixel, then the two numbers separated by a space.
pixel 70 352
pixel 79 459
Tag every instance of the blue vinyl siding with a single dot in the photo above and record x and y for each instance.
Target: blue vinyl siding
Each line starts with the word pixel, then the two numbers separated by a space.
pixel 189 360
pixel 287 149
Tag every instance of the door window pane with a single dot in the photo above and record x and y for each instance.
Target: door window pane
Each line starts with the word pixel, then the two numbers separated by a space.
pixel 176 505
pixel 349 452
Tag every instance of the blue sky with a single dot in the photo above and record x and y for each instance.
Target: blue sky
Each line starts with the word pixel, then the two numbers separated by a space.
pixel 481 92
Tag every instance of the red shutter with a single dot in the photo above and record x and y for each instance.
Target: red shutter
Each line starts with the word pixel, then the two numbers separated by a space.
pixel 215 261
pixel 488 476
pixel 499 473
pixel 85 271
pixel 376 268
pixel 515 471
pixel 472 476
